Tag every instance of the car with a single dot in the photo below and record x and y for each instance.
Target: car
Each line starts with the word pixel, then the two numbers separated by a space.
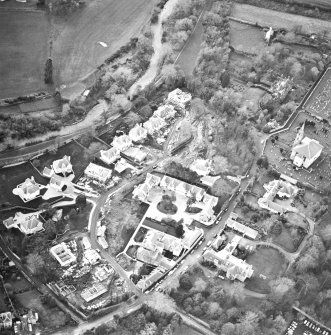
pixel 204 249
pixel 154 166
pixel 215 235
pixel 225 209
pixel 198 244
pixel 217 222
pixel 209 244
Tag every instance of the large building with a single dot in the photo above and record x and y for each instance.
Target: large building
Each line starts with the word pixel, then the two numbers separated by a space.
pixel 201 166
pixel 110 156
pixel 306 152
pixel 6 320
pixel 28 224
pixel 62 166
pixel 28 190
pixel 246 231
pixel 235 268
pixel 179 98
pixel 283 190
pixel 98 173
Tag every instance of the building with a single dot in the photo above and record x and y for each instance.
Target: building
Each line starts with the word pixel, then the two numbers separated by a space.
pixel 150 279
pixel 283 190
pixel 306 152
pixel 110 156
pixel 86 242
pixel 136 154
pixel 141 191
pixel 122 165
pixel 6 320
pixel 91 293
pixel 57 183
pixel 91 256
pixel 47 172
pixel 165 112
pixel 62 166
pixel 98 173
pixel 241 228
pixel 138 133
pixel 28 224
pixel 154 124
pixel 201 166
pixel 179 98
pixel 102 241
pixel 122 142
pixel 28 190
pixel 235 268
pixel 62 254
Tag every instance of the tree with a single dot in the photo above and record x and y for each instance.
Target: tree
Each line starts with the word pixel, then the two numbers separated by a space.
pixel 50 229
pixel 48 78
pixel 179 230
pixel 185 282
pixel 35 263
pixel 228 329
pixel 280 287
pixel 81 200
pixel 225 78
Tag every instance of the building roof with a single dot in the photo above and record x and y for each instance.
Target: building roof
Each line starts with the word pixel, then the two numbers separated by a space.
pixel 165 111
pixel 110 155
pixel 98 172
pixel 179 97
pixel 102 241
pixel 93 292
pixel 56 182
pixel 62 165
pixel 62 254
pixel 47 172
pixel 121 165
pixel 154 124
pixel 121 142
pixel 252 233
pixel 28 190
pixel 137 133
pixel 136 153
pixel 201 166
pixel 32 225
pixel 308 148
pixel 6 318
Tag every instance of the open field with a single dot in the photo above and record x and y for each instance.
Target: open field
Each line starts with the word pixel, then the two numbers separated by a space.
pixel 275 19
pixel 23 52
pixel 76 52
pixel 268 262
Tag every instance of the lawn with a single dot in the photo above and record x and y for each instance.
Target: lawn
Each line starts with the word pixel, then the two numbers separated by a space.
pixel 11 177
pixel 23 52
pixel 79 221
pixel 244 37
pixel 76 51
pixel 268 262
pixel 290 238
pixel 79 157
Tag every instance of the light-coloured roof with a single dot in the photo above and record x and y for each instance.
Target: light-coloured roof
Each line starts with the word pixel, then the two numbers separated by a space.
pixel 97 171
pixel 136 153
pixel 308 148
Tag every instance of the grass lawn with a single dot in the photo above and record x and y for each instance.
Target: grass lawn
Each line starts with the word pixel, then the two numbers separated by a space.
pixel 79 221
pixel 76 51
pixel 23 52
pixel 268 262
pixel 289 239
pixel 79 157
pixel 11 177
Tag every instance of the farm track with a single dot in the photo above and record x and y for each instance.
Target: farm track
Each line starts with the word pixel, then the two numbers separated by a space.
pixel 76 51
pixel 268 17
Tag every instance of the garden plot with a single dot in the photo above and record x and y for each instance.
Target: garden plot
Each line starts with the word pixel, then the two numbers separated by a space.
pixel 275 19
pixel 245 38
pixel 267 262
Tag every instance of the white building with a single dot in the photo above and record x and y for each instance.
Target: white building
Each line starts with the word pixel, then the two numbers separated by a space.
pixel 179 98
pixel 28 224
pixel 122 142
pixel 47 172
pixel 306 152
pixel 102 241
pixel 97 172
pixel 136 154
pixel 62 254
pixel 165 112
pixel 154 124
pixel 201 166
pixel 110 156
pixel 57 183
pixel 62 166
pixel 138 133
pixel 28 190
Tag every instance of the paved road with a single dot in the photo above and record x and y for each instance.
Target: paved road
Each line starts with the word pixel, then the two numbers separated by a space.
pixel 41 287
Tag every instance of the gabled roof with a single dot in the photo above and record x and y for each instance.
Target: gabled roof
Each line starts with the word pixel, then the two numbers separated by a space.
pixel 110 153
pixel 308 148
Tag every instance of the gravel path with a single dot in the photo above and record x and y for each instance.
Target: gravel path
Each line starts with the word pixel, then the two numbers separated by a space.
pixel 268 17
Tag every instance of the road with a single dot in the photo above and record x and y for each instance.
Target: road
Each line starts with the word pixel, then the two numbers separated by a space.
pixel 41 287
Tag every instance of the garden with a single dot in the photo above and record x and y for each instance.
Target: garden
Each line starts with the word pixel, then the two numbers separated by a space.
pixel 267 262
